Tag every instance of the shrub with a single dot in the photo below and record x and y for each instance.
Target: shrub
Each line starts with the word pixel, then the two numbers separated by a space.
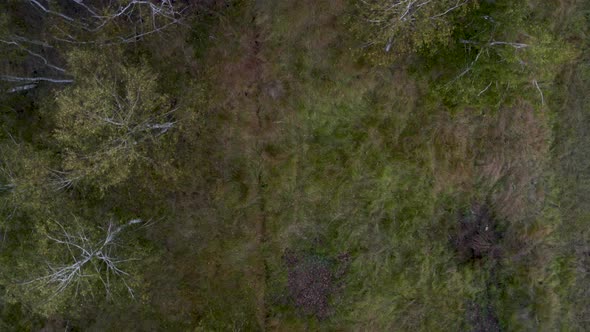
pixel 477 237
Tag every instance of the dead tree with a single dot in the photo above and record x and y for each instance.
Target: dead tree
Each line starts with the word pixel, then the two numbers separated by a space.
pixel 85 259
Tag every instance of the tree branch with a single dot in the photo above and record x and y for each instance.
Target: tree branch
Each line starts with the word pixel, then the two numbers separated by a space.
pixel 89 254
pixel 536 84
pixel 9 78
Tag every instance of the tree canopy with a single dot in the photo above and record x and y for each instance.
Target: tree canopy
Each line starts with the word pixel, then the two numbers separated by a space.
pixel 108 119
pixel 404 26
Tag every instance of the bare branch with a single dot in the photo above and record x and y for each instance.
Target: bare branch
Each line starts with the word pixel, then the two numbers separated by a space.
pixel 9 78
pixel 84 254
pixel 459 4
pixel 536 84
pixel 43 8
pixel 484 90
pixel 469 68
pixel 99 18
pixel 63 179
pixel 398 19
pixel 21 88
pixel 36 55
pixel 81 3
pixel 31 41
pixel 515 45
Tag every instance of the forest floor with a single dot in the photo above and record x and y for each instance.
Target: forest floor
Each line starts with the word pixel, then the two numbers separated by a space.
pixel 305 163
pixel 312 152
pixel 310 185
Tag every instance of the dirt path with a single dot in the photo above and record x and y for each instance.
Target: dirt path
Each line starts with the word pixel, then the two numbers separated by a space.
pixel 245 80
pixel 260 270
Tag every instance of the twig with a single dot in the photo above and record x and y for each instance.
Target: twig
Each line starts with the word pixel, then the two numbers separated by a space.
pixel 9 78
pixel 536 84
pixel 484 90
pixel 450 9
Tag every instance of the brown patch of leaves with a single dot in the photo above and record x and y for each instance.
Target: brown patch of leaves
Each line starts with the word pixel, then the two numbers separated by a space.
pixel 312 280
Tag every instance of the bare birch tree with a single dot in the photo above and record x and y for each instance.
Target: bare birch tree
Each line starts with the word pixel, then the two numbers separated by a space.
pixel 85 257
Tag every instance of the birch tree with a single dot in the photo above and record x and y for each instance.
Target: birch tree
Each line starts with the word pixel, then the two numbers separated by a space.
pixel 402 26
pixel 69 261
pixel 82 256
pixel 108 120
pixel 110 22
pixel 500 56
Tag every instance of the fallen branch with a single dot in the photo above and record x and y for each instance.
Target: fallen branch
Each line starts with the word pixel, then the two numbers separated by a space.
pixel 22 88
pixel 450 9
pixel 536 84
pixel 9 78
pixel 34 54
pixel 484 90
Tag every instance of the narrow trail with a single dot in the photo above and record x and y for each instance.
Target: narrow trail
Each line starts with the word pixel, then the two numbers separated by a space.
pixel 258 135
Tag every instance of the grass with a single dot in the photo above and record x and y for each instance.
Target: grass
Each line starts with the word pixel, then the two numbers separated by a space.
pixel 291 141
pixel 346 184
pixel 376 171
pixel 351 159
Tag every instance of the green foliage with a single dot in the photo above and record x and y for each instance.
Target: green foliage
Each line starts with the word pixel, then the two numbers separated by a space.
pixel 4 21
pixel 499 57
pixel 259 132
pixel 71 263
pixel 108 119
pixel 25 175
pixel 15 317
pixel 403 27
